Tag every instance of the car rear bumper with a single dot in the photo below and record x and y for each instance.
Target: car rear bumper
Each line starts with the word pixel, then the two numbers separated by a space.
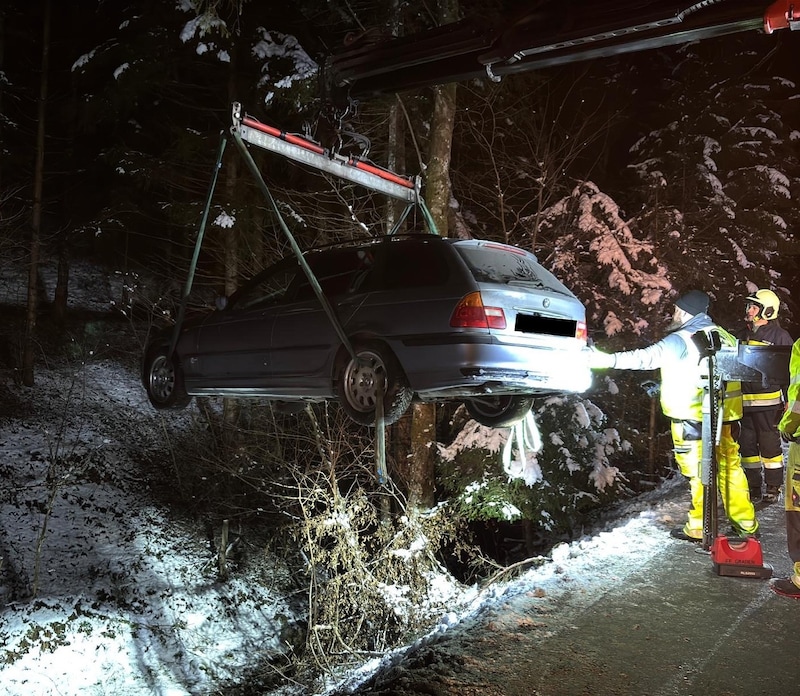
pixel 469 369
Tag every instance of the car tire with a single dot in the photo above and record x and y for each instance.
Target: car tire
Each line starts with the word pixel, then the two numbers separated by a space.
pixel 163 381
pixel 356 384
pixel 499 411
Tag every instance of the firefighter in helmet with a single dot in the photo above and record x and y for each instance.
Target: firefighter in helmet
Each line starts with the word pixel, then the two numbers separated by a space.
pixel 684 385
pixel 759 441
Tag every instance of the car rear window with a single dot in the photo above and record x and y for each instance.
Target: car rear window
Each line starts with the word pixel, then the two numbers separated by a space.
pixel 408 264
pixel 498 264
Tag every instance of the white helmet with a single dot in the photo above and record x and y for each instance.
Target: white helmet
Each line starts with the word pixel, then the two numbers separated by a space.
pixel 767 302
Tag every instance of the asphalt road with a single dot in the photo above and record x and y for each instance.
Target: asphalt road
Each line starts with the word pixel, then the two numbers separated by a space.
pixel 671 627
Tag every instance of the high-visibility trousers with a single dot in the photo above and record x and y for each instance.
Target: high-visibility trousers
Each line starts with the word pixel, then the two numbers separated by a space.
pixel 760 447
pixel 731 480
pixel 792 505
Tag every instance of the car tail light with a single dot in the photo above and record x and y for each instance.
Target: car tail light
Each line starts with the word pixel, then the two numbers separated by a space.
pixel 471 313
pixel 581 332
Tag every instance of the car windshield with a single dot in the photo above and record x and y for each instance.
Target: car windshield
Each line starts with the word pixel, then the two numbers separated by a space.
pixel 497 264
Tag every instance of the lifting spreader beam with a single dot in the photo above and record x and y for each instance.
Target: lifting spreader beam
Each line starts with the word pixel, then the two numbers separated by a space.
pixel 308 152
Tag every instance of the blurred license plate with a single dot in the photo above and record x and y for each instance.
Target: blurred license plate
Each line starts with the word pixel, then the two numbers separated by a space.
pixel 536 324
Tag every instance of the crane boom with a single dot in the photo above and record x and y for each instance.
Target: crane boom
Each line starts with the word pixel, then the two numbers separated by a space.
pixel 543 37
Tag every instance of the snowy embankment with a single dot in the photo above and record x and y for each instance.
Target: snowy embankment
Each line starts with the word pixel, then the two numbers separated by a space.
pixel 127 598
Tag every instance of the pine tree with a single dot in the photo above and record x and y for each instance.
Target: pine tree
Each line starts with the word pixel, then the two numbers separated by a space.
pixel 723 169
pixel 598 255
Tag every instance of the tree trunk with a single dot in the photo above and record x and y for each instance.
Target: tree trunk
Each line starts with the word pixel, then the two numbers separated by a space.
pixel 231 407
pixel 437 196
pixel 61 293
pixel 2 63
pixel 36 216
pixel 396 161
pixel 421 473
pixel 437 180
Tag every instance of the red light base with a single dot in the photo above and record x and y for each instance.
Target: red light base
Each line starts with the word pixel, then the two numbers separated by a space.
pixel 740 558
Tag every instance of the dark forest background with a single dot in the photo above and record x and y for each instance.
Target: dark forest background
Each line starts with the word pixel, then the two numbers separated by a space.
pixel 634 178
pixel 696 145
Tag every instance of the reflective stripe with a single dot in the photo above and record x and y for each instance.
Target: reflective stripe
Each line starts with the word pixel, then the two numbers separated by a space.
pixel 762 396
pixel 761 400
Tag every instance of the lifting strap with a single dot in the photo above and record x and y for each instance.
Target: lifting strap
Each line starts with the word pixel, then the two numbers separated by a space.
pixel 176 330
pixel 312 279
pixel 525 435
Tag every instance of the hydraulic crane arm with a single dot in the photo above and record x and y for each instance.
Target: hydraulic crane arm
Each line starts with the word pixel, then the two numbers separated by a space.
pixel 554 33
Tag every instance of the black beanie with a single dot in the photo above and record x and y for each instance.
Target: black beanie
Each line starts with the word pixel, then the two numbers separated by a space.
pixel 693 302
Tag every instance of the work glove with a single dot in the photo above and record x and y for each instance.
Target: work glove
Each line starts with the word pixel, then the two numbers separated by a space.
pixel 598 360
pixel 789 438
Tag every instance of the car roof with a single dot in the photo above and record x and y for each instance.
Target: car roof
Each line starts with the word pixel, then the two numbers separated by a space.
pixel 419 236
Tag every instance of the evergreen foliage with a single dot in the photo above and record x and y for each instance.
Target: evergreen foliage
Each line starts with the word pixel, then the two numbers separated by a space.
pixel 552 489
pixel 722 168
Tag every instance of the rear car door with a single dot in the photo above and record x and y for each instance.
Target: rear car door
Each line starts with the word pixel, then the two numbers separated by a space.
pixel 235 344
pixel 410 293
pixel 304 339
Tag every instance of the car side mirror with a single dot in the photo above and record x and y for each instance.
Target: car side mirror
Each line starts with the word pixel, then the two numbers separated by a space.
pixel 221 303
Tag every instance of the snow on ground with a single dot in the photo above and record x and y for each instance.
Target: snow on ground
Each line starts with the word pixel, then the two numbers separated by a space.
pixel 571 577
pixel 128 599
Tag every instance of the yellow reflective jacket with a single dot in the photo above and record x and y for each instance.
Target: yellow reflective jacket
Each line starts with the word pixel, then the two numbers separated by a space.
pixel 732 404
pixel 733 398
pixel 684 373
pixel 790 423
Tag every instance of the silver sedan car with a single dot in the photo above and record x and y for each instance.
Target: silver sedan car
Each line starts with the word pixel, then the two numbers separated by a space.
pixel 424 317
